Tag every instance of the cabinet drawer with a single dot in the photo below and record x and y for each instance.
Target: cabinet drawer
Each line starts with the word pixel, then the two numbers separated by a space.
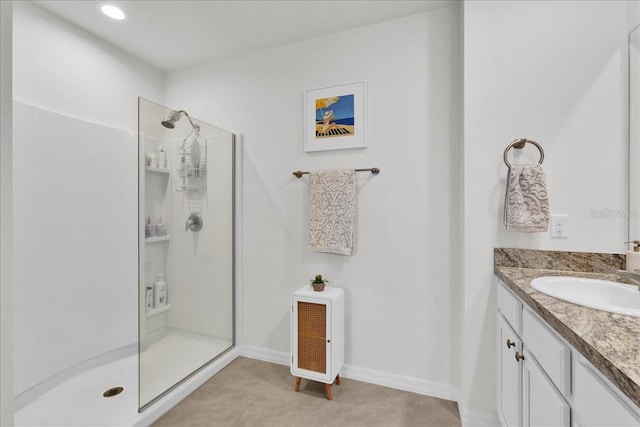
pixel 551 353
pixel 595 404
pixel 510 307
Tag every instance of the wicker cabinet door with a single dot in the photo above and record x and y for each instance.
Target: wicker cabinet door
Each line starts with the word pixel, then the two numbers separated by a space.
pixel 312 337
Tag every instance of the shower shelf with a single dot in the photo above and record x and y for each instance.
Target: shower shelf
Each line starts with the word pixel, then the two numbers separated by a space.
pixel 157 239
pixel 158 170
pixel 156 311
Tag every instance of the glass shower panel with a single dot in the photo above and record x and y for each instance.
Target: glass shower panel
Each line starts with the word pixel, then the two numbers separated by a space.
pixel 186 264
pixel 634 134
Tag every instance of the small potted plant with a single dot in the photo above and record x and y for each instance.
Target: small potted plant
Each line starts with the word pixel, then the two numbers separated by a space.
pixel 318 283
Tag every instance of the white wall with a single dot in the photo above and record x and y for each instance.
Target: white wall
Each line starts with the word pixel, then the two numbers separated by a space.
pixel 6 217
pixel 634 14
pixel 62 68
pixel 554 72
pixel 90 251
pixel 401 287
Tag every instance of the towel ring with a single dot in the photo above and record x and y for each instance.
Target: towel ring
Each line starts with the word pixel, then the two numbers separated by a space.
pixel 519 143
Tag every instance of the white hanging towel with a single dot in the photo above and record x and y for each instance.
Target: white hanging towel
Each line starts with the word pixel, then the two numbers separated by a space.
pixel 332 210
pixel 526 203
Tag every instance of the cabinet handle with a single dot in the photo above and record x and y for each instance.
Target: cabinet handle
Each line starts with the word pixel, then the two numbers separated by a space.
pixel 510 343
pixel 328 341
pixel 519 357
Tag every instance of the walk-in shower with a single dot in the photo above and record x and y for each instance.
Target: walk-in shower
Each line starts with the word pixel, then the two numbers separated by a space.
pixel 186 246
pixel 123 299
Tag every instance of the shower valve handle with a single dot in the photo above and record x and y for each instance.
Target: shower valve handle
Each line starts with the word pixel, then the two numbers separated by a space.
pixel 194 223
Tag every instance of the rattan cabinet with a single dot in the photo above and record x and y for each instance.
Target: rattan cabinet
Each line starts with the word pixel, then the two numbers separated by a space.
pixel 317 335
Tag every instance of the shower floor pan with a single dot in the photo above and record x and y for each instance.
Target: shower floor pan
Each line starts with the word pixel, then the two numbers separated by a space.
pixel 174 358
pixel 79 400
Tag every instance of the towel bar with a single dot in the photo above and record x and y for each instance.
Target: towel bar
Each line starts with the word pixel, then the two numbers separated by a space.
pixel 374 171
pixel 519 143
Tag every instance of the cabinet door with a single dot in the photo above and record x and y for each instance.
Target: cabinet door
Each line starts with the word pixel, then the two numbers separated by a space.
pixel 509 375
pixel 311 340
pixel 595 403
pixel 543 405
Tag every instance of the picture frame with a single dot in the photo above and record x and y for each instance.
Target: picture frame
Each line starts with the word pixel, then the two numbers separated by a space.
pixel 334 117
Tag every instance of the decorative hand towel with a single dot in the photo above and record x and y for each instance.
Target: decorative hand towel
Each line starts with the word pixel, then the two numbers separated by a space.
pixel 526 206
pixel 332 210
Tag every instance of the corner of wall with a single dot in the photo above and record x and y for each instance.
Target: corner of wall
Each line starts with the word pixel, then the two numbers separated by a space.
pixel 634 14
pixel 6 207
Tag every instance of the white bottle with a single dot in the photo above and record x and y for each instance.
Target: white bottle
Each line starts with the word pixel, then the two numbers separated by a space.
pixel 633 257
pixel 202 166
pixel 148 299
pixel 160 228
pixel 195 156
pixel 160 292
pixel 162 158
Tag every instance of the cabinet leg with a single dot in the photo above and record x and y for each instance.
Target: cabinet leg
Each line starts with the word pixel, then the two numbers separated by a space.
pixel 329 392
pixel 338 379
pixel 297 386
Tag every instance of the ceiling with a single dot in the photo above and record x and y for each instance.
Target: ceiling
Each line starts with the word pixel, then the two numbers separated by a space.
pixel 171 35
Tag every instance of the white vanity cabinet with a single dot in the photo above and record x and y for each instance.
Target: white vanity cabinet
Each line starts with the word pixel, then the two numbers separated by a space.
pixel 544 381
pixel 526 394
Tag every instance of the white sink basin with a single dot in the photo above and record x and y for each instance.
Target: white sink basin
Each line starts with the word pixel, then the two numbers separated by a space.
pixel 600 294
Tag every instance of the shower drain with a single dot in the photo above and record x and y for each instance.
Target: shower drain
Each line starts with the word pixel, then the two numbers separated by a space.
pixel 113 391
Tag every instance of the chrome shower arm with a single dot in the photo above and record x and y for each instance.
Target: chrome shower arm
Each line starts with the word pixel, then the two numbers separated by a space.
pixel 188 118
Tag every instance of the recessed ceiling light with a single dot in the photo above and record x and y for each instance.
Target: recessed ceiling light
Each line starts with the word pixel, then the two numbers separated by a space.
pixel 113 12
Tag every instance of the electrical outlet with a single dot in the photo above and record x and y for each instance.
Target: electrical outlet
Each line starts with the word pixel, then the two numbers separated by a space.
pixel 558 226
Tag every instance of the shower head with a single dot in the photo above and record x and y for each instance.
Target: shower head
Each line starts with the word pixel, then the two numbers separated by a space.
pixel 173 117
pixel 170 121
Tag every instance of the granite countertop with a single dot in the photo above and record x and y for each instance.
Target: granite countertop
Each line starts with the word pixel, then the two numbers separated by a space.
pixel 611 342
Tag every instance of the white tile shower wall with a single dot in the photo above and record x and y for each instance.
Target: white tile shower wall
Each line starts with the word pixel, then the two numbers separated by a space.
pixel 565 87
pixel 75 243
pixel 401 313
pixel 200 291
pixel 95 82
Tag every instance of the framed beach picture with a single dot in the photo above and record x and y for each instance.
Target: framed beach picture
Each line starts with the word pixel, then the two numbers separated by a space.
pixel 335 117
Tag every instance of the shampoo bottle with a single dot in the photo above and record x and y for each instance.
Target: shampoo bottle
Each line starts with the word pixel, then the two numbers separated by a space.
pixel 160 292
pixel 148 229
pixel 195 157
pixel 162 158
pixel 148 299
pixel 160 229
pixel 633 257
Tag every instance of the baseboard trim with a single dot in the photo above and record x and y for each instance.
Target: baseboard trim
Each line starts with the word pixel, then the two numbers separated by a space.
pixel 264 354
pixel 372 376
pixel 473 419
pixel 400 382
